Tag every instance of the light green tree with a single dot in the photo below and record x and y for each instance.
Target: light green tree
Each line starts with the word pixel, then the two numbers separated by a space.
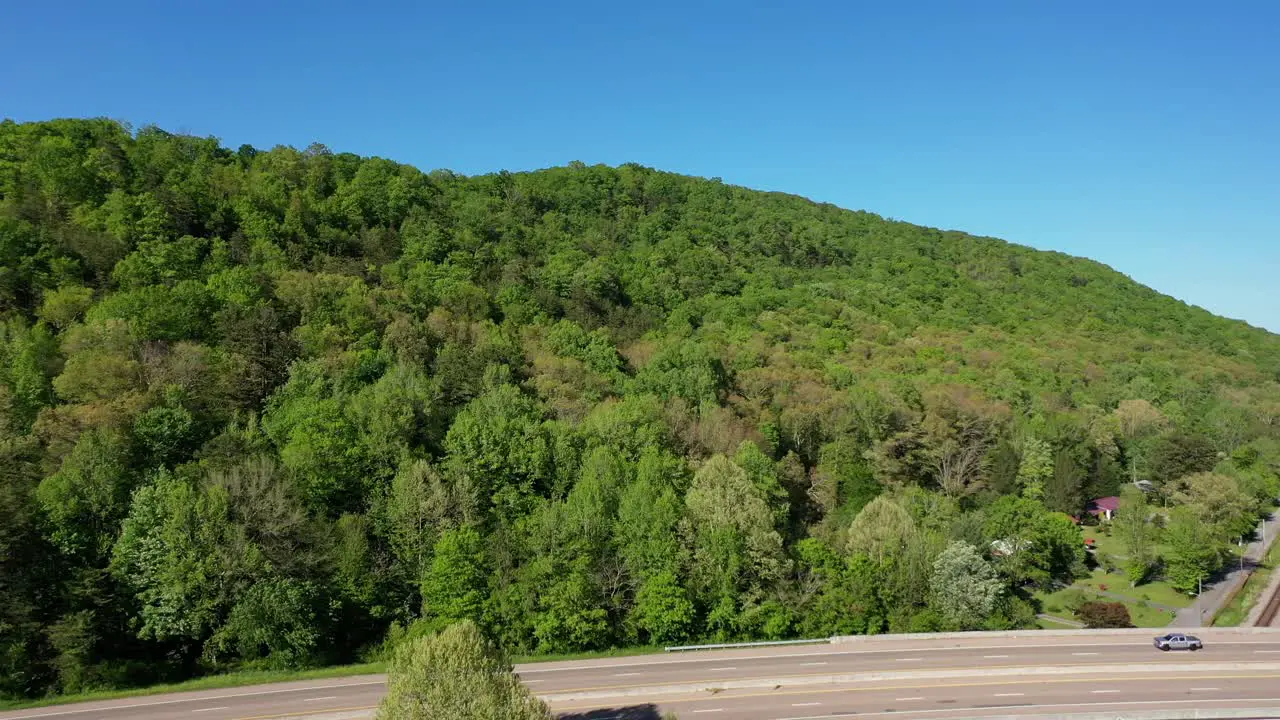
pixel 65 305
pixel 663 611
pixel 881 530
pixel 1035 468
pixel 645 531
pixel 1132 525
pixel 1218 501
pixel 964 588
pixel 498 440
pixel 416 507
pixel 730 529
pixel 764 475
pixel 1194 552
pixel 1137 422
pixel 1033 544
pixel 455 585
pixel 456 674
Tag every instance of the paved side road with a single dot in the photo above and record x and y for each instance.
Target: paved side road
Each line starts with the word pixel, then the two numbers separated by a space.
pixel 1215 596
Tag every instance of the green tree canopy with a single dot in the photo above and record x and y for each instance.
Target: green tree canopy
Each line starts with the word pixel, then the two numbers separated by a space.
pixel 278 407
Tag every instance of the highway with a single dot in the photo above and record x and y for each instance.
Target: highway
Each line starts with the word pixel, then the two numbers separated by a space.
pixel 977 674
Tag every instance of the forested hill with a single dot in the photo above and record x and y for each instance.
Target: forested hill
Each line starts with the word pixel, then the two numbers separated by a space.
pixel 284 407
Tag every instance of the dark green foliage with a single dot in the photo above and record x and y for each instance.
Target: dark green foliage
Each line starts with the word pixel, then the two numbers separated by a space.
pixel 1064 490
pixel 262 407
pixel 278 619
pixel 26 575
pixel 1180 454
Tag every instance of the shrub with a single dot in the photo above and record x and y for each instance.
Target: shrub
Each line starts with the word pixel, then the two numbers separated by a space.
pixel 456 674
pixel 1105 561
pixel 1099 614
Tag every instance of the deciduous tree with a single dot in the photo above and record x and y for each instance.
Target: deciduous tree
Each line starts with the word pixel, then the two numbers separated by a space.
pixel 964 588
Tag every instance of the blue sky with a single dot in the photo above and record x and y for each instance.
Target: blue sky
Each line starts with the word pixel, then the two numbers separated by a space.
pixel 1141 134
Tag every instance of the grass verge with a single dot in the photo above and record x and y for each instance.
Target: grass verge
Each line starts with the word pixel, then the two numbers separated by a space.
pixel 211 682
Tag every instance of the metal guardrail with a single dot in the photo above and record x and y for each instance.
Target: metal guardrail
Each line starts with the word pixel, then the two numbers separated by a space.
pixel 765 643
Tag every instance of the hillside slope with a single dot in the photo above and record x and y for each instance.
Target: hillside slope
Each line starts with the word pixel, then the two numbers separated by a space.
pixel 268 406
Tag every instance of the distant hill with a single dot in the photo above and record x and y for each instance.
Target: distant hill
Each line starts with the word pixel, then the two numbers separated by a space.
pixel 260 406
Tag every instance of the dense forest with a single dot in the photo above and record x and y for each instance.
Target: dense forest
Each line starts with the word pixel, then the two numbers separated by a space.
pixel 290 407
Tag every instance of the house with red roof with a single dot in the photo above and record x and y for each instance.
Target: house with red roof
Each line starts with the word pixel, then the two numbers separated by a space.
pixel 1104 507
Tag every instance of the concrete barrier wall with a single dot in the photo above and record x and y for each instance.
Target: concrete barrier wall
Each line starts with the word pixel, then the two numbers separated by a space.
pixel 1189 714
pixel 1205 632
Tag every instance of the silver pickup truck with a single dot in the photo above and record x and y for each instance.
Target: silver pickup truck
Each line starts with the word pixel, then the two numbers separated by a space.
pixel 1178 641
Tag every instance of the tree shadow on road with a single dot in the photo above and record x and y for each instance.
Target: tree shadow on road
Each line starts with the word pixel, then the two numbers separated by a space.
pixel 630 712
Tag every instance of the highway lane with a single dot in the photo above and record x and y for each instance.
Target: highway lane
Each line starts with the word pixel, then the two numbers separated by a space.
pixel 559 678
pixel 799 669
pixel 1056 695
pixel 321 696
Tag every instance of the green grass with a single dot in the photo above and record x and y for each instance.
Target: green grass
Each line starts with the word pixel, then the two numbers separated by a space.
pixel 1054 603
pixel 212 682
pixel 1238 609
pixel 1157 591
pixel 1148 617
pixel 1109 544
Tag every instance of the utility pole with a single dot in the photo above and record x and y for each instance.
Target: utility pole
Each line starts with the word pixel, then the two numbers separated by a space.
pixel 1199 609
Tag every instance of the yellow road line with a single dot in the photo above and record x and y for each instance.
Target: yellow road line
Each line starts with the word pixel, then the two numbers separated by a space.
pixel 313 711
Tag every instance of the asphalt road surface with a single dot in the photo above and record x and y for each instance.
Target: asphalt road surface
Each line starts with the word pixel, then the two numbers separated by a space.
pixel 890 677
